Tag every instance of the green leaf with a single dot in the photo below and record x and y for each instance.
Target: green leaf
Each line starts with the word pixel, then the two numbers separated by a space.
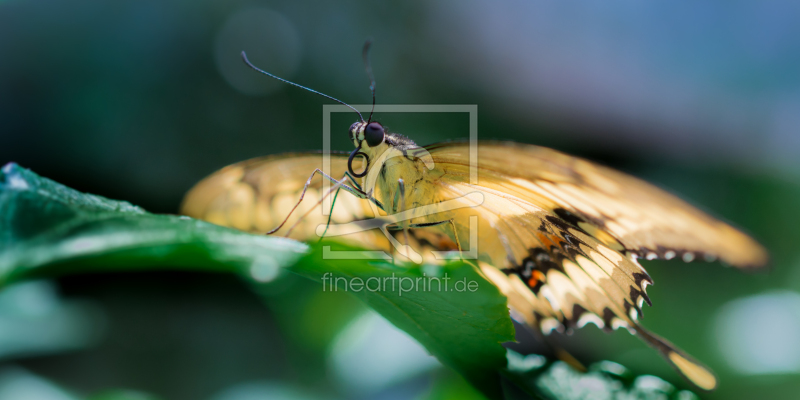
pixel 458 316
pixel 49 229
pixel 122 394
pixel 450 386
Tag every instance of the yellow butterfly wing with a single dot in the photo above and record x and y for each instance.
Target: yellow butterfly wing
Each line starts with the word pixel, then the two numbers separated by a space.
pixel 564 277
pixel 258 194
pixel 557 234
pixel 560 236
pixel 645 220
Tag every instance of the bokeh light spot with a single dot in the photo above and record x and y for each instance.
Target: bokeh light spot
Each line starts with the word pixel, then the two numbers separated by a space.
pixel 758 334
pixel 264 269
pixel 372 354
pixel 16 383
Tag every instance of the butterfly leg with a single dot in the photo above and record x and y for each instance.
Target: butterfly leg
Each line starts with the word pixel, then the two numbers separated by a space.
pixel 338 185
pixel 330 214
pixel 335 189
pixel 356 186
pixel 401 191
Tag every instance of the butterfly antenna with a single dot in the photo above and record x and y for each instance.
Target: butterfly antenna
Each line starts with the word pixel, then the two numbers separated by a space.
pixel 370 75
pixel 249 64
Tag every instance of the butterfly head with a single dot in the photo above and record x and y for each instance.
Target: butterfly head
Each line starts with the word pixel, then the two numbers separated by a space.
pixel 367 134
pixel 369 138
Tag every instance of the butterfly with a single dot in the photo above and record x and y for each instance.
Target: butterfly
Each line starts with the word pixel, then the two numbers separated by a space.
pixel 560 236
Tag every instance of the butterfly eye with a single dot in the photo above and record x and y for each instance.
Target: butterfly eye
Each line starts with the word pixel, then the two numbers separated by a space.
pixel 373 134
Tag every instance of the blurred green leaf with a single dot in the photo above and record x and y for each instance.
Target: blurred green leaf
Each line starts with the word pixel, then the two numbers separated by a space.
pixel 549 379
pixel 36 321
pixel 49 229
pixel 122 394
pixel 17 383
pixel 449 386
pixel 463 328
pixel 258 390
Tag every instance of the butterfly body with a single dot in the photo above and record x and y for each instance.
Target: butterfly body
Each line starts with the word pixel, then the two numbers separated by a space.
pixel 390 162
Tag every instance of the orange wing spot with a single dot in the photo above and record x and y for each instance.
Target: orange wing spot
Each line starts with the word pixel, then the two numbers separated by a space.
pixel 545 239
pixel 536 277
pixel 549 241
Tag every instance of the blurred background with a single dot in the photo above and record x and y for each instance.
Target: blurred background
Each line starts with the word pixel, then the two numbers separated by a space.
pixel 138 100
